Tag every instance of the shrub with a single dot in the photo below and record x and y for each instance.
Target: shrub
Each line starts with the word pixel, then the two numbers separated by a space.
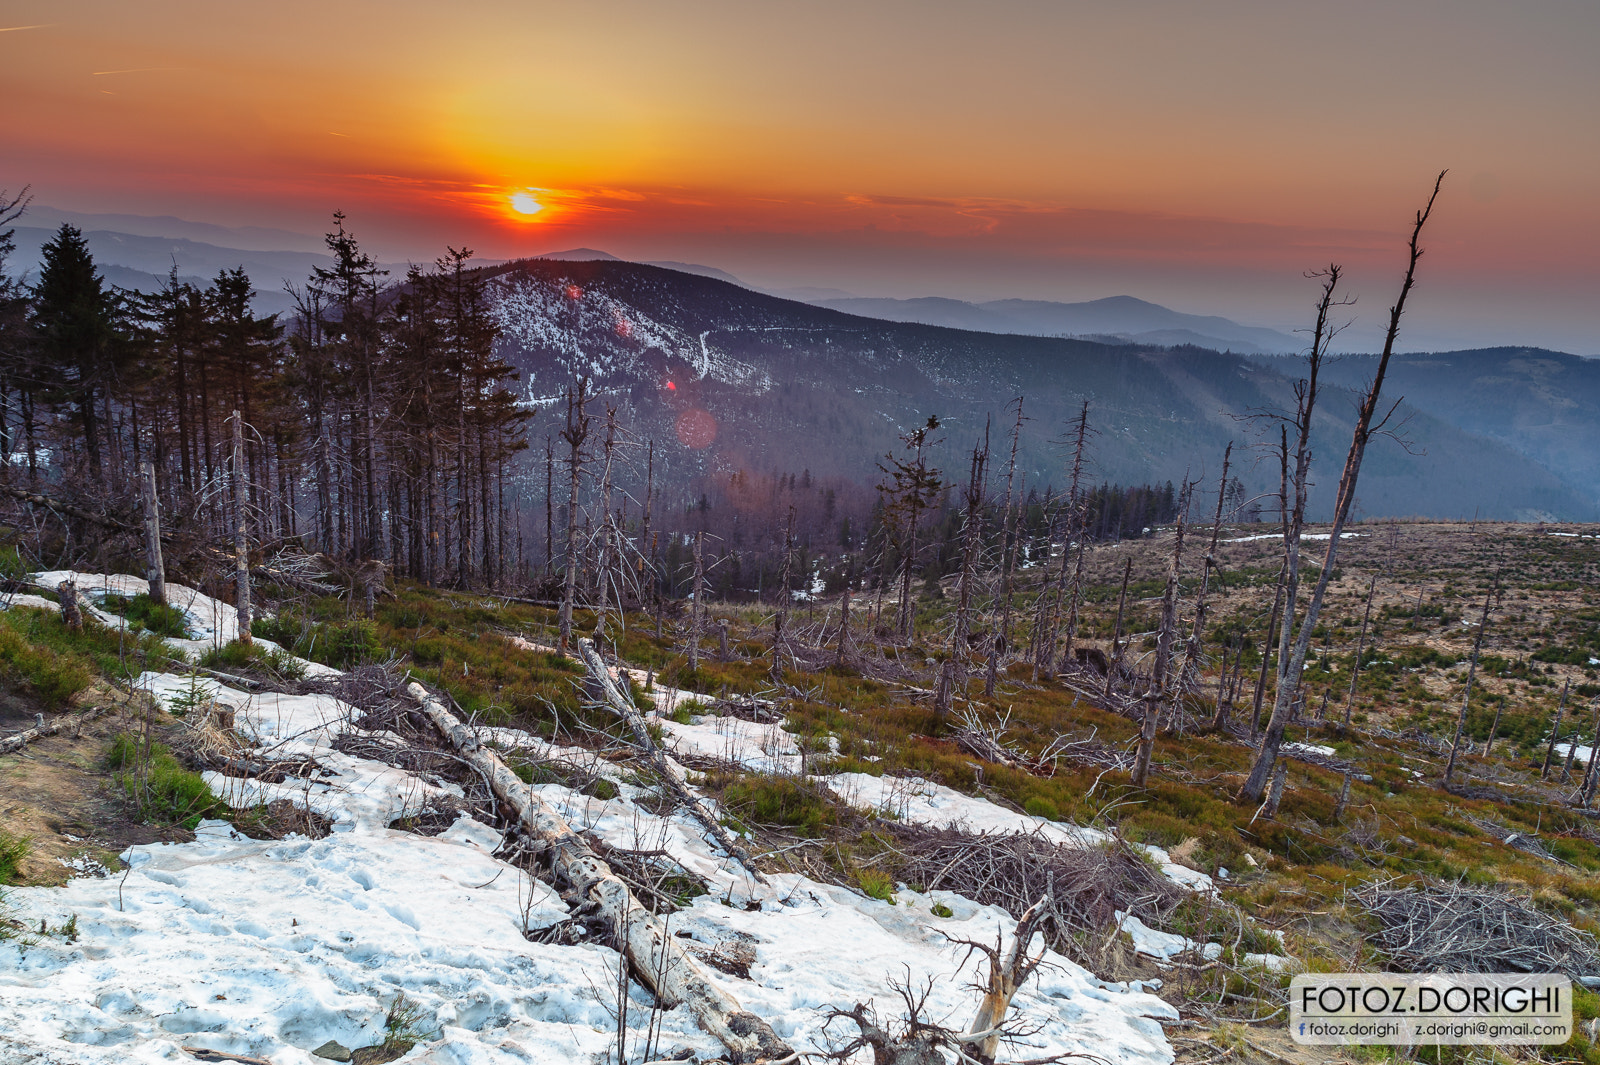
pixel 1039 806
pixel 54 677
pixel 779 801
pixel 13 852
pixel 158 784
pixel 144 613
pixel 236 655
pixel 876 884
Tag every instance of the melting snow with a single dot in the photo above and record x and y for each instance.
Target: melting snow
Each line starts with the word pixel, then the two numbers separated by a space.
pixel 272 948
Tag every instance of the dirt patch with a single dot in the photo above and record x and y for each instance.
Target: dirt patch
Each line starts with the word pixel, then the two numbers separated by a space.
pixel 58 792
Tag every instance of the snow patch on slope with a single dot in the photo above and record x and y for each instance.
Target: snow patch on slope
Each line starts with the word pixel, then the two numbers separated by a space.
pixel 601 337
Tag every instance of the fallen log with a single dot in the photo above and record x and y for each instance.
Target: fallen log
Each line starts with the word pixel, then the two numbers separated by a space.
pixel 41 730
pixel 623 707
pixel 61 506
pixel 658 959
pixel 203 1054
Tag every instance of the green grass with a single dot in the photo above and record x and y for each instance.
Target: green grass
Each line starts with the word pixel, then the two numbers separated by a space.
pixel 876 884
pixel 56 663
pixel 779 801
pixel 13 852
pixel 147 615
pixel 158 784
pixel 237 655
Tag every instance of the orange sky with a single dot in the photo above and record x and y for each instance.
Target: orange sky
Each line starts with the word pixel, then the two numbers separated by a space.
pixel 1201 155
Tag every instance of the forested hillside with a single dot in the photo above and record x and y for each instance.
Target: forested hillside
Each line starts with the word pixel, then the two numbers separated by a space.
pixel 464 426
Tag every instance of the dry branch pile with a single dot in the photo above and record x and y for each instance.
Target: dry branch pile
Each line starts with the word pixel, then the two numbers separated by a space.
pixel 1086 885
pixel 1516 839
pixel 1436 927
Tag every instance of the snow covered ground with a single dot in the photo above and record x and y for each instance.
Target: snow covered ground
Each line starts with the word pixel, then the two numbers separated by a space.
pixel 212 622
pixel 270 949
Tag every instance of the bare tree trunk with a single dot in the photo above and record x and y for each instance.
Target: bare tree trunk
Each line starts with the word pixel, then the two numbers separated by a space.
pixel 780 620
pixel 1590 774
pixel 156 570
pixel 954 671
pixel 1008 557
pixel 844 627
pixel 1344 800
pixel 1364 428
pixel 1275 792
pixel 549 508
pixel 71 605
pixel 1266 657
pixel 1361 646
pixel 1004 978
pixel 576 432
pixel 1158 694
pixel 1466 699
pixel 241 533
pixel 603 566
pixel 697 608
pixel 1116 634
pixel 1194 652
pixel 1555 730
pixel 610 693
pixel 657 958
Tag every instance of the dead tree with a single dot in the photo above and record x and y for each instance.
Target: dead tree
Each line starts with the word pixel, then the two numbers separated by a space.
pixel 1590 774
pixel 241 533
pixel 1081 527
pixel 1365 427
pixel 657 958
pixel 1361 646
pixel 1282 585
pixel 780 620
pixel 1160 689
pixel 1555 730
pixel 1008 558
pixel 611 694
pixel 1004 978
pixel 1116 633
pixel 155 566
pixel 1194 652
pixel 954 670
pixel 71 605
pixel 697 607
pixel 1047 624
pixel 603 566
pixel 1472 672
pixel 575 434
pixel 844 624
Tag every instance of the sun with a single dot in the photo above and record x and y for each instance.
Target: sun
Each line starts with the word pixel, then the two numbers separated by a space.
pixel 524 203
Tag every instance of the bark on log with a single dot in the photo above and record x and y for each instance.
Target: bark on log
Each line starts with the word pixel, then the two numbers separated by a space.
pixel 61 506
pixel 1005 978
pixel 620 705
pixel 60 724
pixel 658 959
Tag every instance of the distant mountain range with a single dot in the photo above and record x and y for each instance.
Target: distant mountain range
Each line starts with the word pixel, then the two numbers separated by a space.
pixel 786 386
pixel 1115 318
pixel 828 385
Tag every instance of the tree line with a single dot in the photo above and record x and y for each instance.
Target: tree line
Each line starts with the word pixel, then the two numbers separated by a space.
pixel 377 421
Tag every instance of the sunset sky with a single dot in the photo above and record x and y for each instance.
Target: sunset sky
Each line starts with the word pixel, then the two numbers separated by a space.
pixel 1198 155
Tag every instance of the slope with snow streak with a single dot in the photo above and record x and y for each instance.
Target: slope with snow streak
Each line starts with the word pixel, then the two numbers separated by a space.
pixel 271 948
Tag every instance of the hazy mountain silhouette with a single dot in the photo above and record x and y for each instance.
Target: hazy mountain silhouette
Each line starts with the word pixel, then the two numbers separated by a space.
pixel 1123 317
